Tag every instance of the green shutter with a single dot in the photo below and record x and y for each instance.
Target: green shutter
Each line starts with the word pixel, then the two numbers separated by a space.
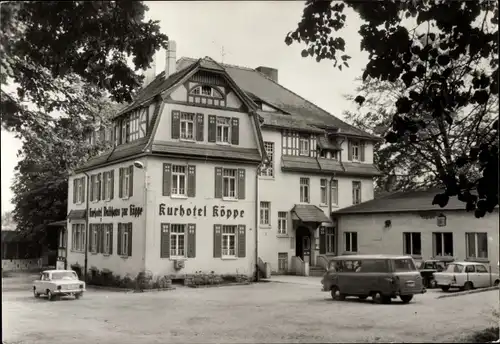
pixel 75 187
pixel 120 183
pixel 362 151
pixel 129 239
pixel 200 127
pixel 191 181
pixel 111 238
pixel 191 241
pixel 119 241
pixel 167 177
pixel 218 182
pixel 112 191
pixel 212 128
pixel 241 183
pixel 241 241
pixel 83 189
pixel 349 150
pixel 175 128
pixel 322 240
pixel 217 241
pixel 235 131
pixel 131 181
pixel 165 240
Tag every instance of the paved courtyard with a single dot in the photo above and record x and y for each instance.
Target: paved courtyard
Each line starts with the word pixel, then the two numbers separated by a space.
pixel 266 312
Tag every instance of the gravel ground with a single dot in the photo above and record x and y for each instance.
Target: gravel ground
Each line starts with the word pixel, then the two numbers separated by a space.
pixel 264 312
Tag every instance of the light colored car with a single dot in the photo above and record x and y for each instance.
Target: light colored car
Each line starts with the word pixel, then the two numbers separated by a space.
pixel 54 283
pixel 466 276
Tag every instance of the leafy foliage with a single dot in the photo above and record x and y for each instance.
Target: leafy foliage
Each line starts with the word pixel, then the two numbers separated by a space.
pixel 49 152
pixel 48 47
pixel 448 64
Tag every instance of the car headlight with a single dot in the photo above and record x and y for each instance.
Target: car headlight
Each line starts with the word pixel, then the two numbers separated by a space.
pixel 58 287
pixel 81 286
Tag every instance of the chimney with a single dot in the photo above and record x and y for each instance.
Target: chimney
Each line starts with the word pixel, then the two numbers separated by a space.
pixel 170 59
pixel 271 73
pixel 150 73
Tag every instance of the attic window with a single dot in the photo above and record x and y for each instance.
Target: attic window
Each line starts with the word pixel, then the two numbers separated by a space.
pixel 207 91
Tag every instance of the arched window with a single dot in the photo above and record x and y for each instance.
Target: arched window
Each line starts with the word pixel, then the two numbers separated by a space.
pixel 206 91
pixel 206 95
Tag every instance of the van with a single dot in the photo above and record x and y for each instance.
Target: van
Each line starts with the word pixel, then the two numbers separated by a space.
pixel 381 277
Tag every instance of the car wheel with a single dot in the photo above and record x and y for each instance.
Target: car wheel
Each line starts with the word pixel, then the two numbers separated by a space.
pixel 496 283
pixel 468 286
pixel 35 294
pixel 78 295
pixel 336 294
pixel 406 298
pixel 50 296
pixel 433 284
pixel 378 298
pixel 445 288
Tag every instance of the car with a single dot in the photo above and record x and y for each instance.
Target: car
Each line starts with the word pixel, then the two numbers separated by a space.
pixel 381 277
pixel 466 276
pixel 429 267
pixel 57 283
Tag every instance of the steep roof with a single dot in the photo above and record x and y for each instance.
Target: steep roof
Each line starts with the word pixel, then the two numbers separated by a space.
pixel 259 85
pixel 403 202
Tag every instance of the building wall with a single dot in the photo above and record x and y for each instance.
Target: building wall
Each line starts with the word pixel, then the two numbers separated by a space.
pixel 283 191
pixel 21 264
pixel 375 238
pixel 205 192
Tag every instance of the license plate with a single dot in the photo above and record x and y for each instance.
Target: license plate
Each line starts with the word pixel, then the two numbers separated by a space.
pixel 410 283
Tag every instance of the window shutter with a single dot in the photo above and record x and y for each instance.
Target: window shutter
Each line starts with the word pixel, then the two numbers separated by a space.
pixel 218 182
pixel 104 186
pixel 349 150
pixel 212 128
pixel 75 188
pixel 111 236
pixel 200 127
pixel 235 131
pixel 362 151
pixel 241 183
pixel 322 240
pixel 191 181
pixel 120 183
pixel 217 241
pixel 353 193
pixel 102 228
pixel 99 186
pixel 129 239
pixel 97 229
pixel 241 241
pixel 91 186
pixel 167 177
pixel 131 181
pixel 191 241
pixel 91 229
pixel 84 191
pixel 165 241
pixel 175 129
pixel 119 241
pixel 112 191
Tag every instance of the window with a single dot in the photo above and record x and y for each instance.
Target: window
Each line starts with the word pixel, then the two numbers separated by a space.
pixel 269 169
pixel 178 180
pixel 356 192
pixel 117 133
pixel 351 242
pixel 265 213
pixel 177 240
pixel 93 231
pixel 78 237
pixel 404 265
pixel 283 262
pixel 355 151
pixel 412 244
pixel 304 190
pixel 125 233
pixel 108 181
pixel 481 269
pixel 143 122
pixel 108 229
pixel 133 126
pixel 228 241
pixel 323 191
pixel 335 192
pixel 304 145
pixel 476 245
pixel 443 244
pixel 125 184
pixel 282 226
pixel 79 191
pixel 206 91
pixel 95 181
pixel 229 183
pixel 223 130
pixel 62 238
pixel 330 240
pixel 187 126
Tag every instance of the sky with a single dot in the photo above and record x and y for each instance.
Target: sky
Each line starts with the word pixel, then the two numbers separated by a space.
pixel 251 34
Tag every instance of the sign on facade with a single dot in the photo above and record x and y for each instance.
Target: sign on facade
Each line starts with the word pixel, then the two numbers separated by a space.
pixel 217 211
pixel 115 212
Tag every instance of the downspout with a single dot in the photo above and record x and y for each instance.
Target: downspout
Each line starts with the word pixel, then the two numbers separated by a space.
pixel 145 210
pixel 86 226
pixel 337 232
pixel 66 246
pixel 257 271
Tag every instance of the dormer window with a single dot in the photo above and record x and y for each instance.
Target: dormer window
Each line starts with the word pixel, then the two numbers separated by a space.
pixel 206 95
pixel 207 91
pixel 304 145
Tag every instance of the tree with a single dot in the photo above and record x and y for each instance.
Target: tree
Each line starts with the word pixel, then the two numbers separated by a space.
pixel 47 47
pixel 446 55
pixel 49 152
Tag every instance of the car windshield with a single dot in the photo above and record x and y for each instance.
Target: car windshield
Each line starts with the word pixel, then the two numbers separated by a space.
pixel 454 268
pixel 65 275
pixel 404 265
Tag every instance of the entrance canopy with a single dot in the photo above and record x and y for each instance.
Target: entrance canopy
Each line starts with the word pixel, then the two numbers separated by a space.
pixel 309 213
pixel 77 214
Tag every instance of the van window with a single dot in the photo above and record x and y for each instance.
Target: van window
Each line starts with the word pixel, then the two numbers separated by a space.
pixel 404 265
pixel 376 265
pixel 457 268
pixel 351 265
